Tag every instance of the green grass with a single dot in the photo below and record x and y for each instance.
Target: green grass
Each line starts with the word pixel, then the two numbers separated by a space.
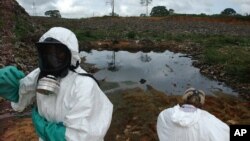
pixel 1 23
pixel 238 65
pixel 232 52
pixel 131 35
pixel 236 61
pixel 94 35
pixel 22 28
pixel 85 35
pixel 208 40
pixel 223 40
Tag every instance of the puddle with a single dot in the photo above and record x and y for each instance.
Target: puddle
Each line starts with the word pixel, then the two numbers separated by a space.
pixel 165 71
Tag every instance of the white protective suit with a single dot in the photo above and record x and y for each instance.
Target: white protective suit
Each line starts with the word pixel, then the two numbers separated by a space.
pixel 81 105
pixel 174 124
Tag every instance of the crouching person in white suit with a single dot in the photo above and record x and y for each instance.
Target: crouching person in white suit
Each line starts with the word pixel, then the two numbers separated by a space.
pixel 70 104
pixel 188 122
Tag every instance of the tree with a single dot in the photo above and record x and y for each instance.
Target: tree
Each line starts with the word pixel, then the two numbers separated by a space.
pixel 228 11
pixel 203 14
pixel 143 15
pixel 53 13
pixel 146 3
pixel 114 14
pixel 171 11
pixel 159 11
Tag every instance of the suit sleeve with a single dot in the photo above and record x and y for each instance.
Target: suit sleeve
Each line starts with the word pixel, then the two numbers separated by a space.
pixel 27 91
pixel 90 116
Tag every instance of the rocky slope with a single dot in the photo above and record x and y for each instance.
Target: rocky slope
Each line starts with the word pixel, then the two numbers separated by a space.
pixel 17 36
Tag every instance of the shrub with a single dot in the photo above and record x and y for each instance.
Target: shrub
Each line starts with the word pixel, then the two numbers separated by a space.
pixel 131 35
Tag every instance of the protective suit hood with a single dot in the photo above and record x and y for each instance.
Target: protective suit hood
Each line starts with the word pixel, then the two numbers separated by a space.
pixel 67 38
pixel 185 119
pixel 184 124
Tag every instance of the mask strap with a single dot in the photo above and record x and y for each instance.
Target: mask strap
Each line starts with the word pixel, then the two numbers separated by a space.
pixel 71 67
pixel 86 74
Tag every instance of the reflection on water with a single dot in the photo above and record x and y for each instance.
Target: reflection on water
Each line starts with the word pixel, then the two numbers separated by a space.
pixel 165 71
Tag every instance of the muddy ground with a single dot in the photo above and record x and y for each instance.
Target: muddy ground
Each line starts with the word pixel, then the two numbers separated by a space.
pixel 134 117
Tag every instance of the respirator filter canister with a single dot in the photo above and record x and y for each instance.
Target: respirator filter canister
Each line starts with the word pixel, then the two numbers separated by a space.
pixel 48 85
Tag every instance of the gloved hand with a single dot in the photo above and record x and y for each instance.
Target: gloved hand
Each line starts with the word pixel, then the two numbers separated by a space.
pixel 9 83
pixel 48 131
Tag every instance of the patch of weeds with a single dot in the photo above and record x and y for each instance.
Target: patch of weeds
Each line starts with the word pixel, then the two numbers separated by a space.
pixel 209 40
pixel 239 65
pixel 1 23
pixel 22 28
pixel 222 40
pixel 131 35
pixel 235 59
pixel 85 35
pixel 177 37
pixel 213 56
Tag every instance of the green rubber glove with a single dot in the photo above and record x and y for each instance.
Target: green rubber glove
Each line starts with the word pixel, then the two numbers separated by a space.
pixel 9 83
pixel 48 131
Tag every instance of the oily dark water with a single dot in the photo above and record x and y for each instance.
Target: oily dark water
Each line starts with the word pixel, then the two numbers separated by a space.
pixel 165 71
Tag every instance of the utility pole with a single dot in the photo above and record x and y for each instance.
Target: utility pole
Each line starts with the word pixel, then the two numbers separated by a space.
pixel 146 3
pixel 34 8
pixel 112 3
pixel 113 8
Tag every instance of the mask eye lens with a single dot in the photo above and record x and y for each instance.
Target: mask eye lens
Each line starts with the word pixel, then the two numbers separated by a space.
pixel 53 56
pixel 61 55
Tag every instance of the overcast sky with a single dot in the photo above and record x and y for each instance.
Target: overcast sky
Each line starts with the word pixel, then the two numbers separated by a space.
pixel 89 8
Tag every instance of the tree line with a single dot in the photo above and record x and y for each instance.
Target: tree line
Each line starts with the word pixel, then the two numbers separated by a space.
pixel 157 11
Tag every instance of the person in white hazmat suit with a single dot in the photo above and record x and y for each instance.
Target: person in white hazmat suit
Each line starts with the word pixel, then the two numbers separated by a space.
pixel 189 122
pixel 70 106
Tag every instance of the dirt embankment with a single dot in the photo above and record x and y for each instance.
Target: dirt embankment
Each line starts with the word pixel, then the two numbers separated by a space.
pixel 135 115
pixel 136 112
pixel 7 36
pixel 18 34
pixel 153 25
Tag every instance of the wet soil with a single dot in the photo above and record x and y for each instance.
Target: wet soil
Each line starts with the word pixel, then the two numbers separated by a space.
pixel 135 114
pixel 130 122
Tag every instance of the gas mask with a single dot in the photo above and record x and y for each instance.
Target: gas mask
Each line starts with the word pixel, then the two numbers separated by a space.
pixel 54 62
pixel 48 85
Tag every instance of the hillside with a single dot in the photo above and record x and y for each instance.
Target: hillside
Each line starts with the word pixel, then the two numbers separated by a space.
pixel 17 36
